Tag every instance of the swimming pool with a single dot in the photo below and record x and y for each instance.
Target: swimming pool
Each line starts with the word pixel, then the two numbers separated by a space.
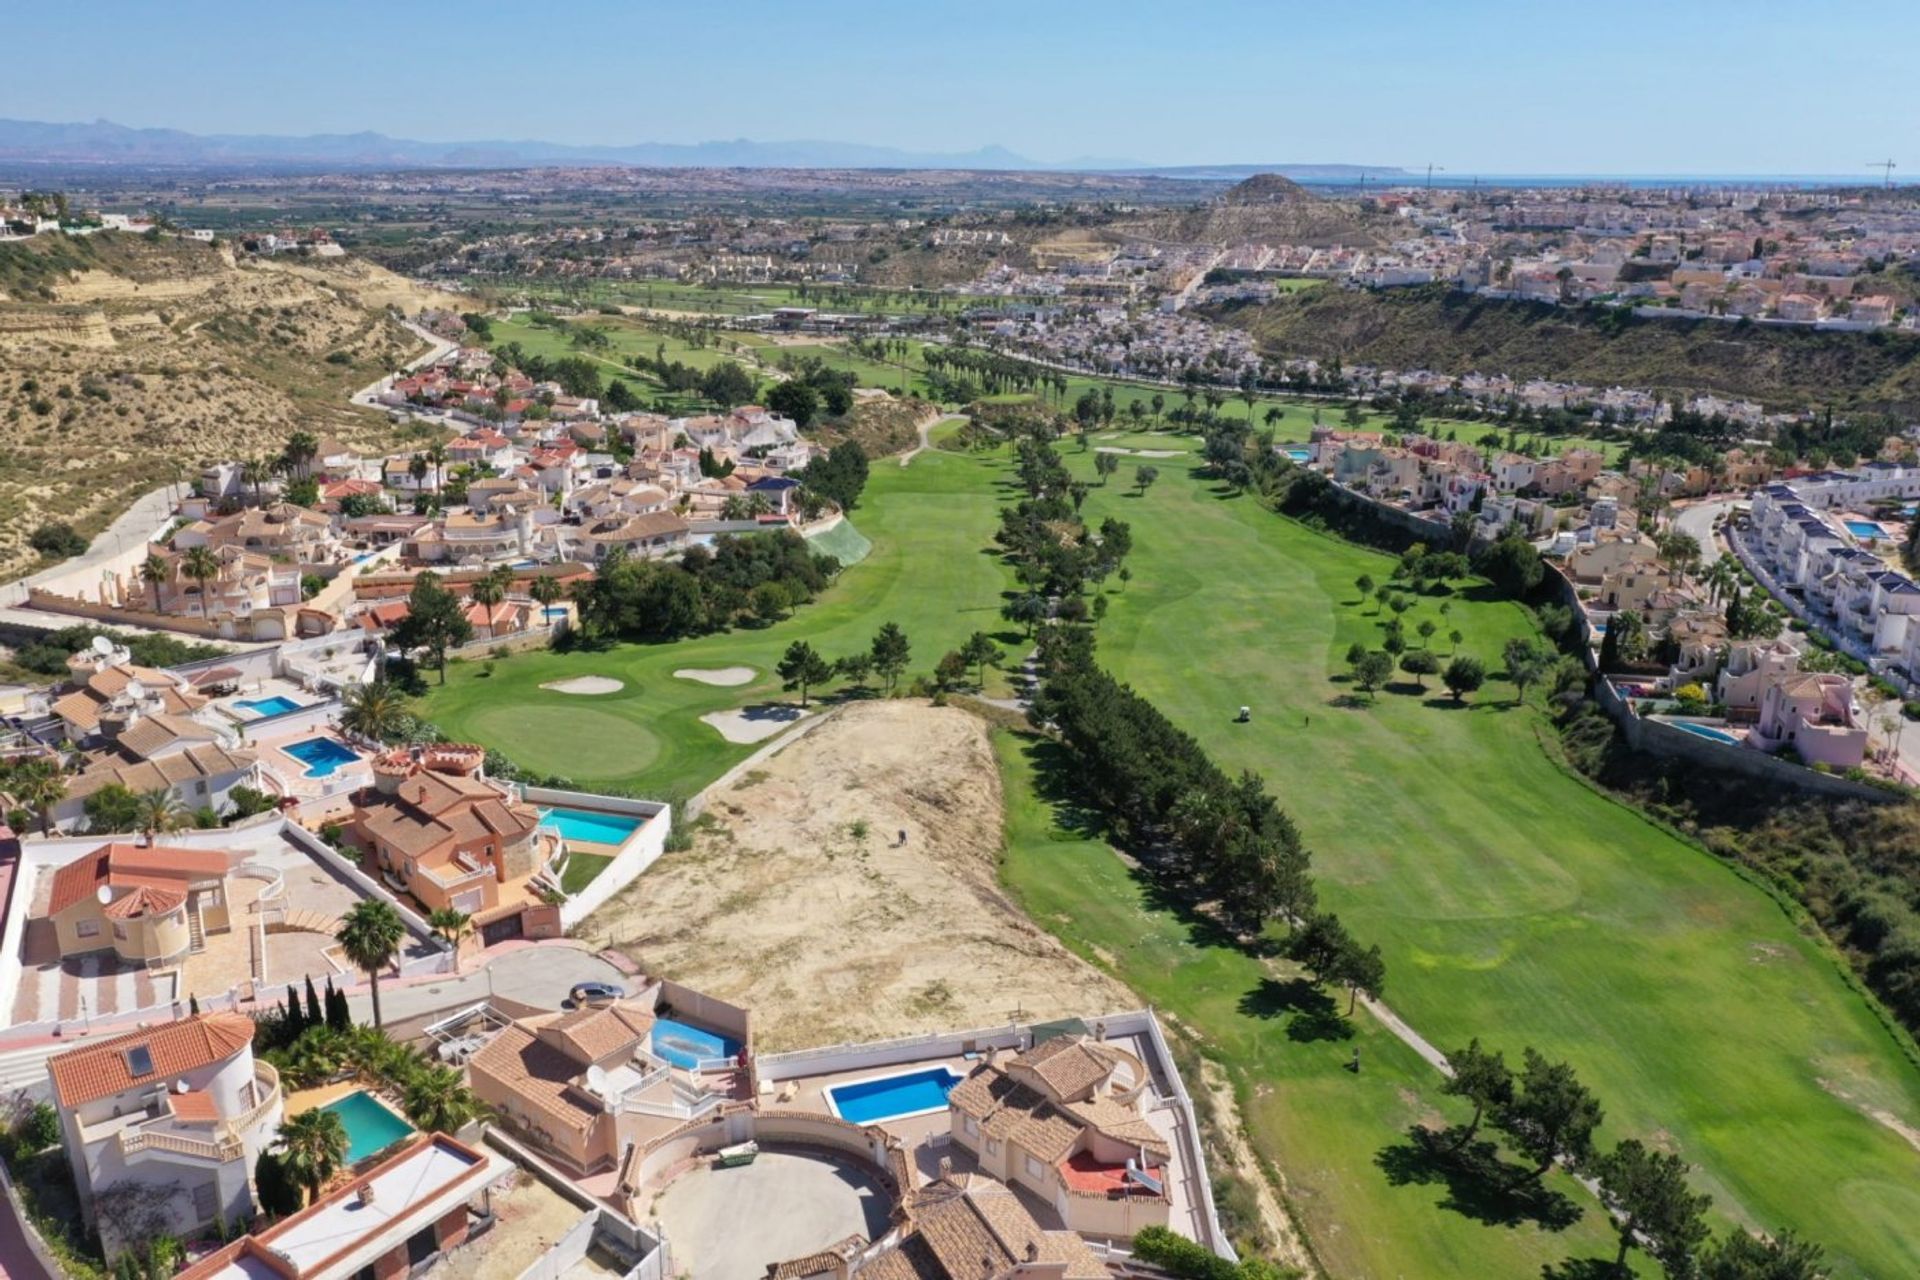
pixel 1300 455
pixel 1866 530
pixel 588 827
pixel 322 756
pixel 553 611
pixel 1702 731
pixel 278 705
pixel 371 1127
pixel 687 1046
pixel 912 1093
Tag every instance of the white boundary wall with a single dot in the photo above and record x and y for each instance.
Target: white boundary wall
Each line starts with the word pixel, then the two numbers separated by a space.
pixel 642 850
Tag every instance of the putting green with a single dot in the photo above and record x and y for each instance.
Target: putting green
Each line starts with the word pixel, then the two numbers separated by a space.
pixel 573 741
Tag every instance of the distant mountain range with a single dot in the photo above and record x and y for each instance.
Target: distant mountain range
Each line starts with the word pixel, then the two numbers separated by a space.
pixel 103 142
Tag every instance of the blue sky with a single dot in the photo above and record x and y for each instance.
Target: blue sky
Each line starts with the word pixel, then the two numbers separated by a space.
pixel 1685 86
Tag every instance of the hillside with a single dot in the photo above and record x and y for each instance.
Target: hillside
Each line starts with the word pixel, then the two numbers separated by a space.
pixel 126 362
pixel 1266 207
pixel 1436 328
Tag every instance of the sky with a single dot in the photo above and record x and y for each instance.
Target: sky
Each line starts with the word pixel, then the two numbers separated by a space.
pixel 1472 86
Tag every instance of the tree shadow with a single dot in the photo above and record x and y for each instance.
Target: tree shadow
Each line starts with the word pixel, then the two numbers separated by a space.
pixel 1350 701
pixel 1479 1184
pixel 1580 1269
pixel 1445 702
pixel 1315 1014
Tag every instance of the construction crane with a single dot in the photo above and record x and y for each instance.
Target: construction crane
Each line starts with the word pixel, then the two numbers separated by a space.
pixel 1430 168
pixel 1886 166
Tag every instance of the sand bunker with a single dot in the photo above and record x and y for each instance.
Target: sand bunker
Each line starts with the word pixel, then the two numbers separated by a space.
pixel 756 723
pixel 716 675
pixel 1138 453
pixel 585 684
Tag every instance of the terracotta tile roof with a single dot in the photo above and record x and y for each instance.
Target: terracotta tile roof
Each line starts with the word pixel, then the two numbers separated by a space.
pixel 126 865
pixel 538 1077
pixel 821 1263
pixel 208 760
pixel 151 734
pixel 1069 1066
pixel 1012 1112
pixel 591 1035
pixel 196 1106
pixel 144 900
pixel 101 1070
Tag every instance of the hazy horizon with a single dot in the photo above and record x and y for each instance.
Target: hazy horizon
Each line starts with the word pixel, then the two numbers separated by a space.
pixel 1487 86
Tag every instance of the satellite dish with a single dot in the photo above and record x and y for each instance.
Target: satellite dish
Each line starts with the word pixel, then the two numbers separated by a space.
pixel 136 690
pixel 181 1086
pixel 102 646
pixel 596 1080
pixel 104 893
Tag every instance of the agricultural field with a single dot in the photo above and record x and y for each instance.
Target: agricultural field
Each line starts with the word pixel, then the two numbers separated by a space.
pixel 1512 901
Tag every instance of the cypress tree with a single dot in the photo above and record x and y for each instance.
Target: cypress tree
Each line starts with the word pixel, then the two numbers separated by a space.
pixel 193 1004
pixel 314 1016
pixel 296 1016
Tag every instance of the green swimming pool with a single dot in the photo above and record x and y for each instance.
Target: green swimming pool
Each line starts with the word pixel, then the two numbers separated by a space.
pixel 371 1126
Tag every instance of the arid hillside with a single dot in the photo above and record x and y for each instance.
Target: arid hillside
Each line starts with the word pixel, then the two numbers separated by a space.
pixel 126 363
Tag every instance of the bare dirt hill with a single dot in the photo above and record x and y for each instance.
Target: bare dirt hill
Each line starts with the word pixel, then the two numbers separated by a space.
pixel 1265 208
pixel 800 902
pixel 126 363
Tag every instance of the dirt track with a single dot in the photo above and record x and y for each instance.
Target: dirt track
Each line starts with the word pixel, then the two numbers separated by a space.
pixel 830 931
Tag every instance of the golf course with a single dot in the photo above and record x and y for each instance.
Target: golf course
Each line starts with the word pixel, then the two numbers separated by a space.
pixel 1512 901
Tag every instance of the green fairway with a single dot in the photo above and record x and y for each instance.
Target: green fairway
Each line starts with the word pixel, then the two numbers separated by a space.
pixel 1512 901
pixel 927 569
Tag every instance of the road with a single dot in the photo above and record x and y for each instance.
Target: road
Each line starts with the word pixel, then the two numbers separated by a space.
pixel 1698 520
pixel 538 975
pixel 438 346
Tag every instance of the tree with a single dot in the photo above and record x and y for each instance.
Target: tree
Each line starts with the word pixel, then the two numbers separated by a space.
pixel 1483 1079
pixel 1646 1191
pixel 1028 609
pixel 1372 670
pixel 370 936
pixel 1512 564
pixel 154 570
pixel 980 652
pixel 1319 944
pixel 1526 663
pixel 450 924
pixel 438 1100
pixel 339 1015
pixel 313 1146
pixel 1552 1115
pixel 801 668
pixel 1364 585
pixel 727 384
pixel 891 653
pixel 38 1129
pixel 1463 676
pixel 857 667
pixel 1105 464
pixel 950 671
pixel 301 449
pixel 1362 971
pixel 795 399
pixel 1742 1256
pixel 41 785
pixel 158 810
pixel 56 540
pixel 1143 478
pixel 315 1018
pixel 435 621
pixel 1420 663
pixel 277 1192
pixel 375 710
pixel 200 564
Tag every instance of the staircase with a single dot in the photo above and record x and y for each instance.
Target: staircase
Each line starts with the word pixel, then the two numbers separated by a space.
pixel 196 932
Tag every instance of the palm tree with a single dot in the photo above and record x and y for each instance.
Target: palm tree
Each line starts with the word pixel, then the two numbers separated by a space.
pixel 40 785
pixel 253 473
pixel 438 1100
pixel 451 925
pixel 487 590
pixel 374 710
pixel 545 590
pixel 370 936
pixel 154 570
pixel 1722 579
pixel 202 566
pixel 314 1144
pixel 437 455
pixel 301 450
pixel 159 810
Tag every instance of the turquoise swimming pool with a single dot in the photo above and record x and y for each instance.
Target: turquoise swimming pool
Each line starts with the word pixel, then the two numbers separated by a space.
pixel 1703 731
pixel 1300 455
pixel 278 705
pixel 912 1093
pixel 371 1126
pixel 589 827
pixel 322 756
pixel 687 1046
pixel 1866 530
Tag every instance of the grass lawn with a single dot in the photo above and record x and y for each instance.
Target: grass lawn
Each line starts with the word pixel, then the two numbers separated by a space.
pixel 1512 901
pixel 928 569
pixel 583 869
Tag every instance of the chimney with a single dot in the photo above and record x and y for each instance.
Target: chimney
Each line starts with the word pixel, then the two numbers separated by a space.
pixel 1033 1251
pixel 365 1195
pixel 946 1167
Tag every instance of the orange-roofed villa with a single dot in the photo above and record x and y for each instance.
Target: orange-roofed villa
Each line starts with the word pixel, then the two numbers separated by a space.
pixel 179 1111
pixel 149 905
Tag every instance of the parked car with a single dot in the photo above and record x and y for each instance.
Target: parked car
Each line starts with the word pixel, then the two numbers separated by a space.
pixel 588 994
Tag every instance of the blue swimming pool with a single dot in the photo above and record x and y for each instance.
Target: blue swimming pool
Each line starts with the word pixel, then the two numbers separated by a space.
pixel 590 828
pixel 687 1046
pixel 278 705
pixel 553 611
pixel 1300 455
pixel 1702 731
pixel 371 1127
pixel 1865 530
pixel 913 1093
pixel 322 756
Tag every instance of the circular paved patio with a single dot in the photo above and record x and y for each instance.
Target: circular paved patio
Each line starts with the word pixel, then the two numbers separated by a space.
pixel 801 1202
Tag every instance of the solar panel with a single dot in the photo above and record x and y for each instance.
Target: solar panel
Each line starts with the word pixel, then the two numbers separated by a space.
pixel 140 1061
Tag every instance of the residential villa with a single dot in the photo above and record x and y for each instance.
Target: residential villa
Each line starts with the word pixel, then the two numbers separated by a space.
pixel 392 1221
pixel 959 1227
pixel 1816 715
pixel 1067 1120
pixel 103 681
pixel 655 534
pixel 179 1112
pixel 1751 668
pixel 589 1086
pixel 434 827
pixel 199 764
pixel 149 905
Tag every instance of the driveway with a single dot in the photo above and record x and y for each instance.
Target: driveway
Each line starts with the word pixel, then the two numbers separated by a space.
pixel 537 975
pixel 800 1204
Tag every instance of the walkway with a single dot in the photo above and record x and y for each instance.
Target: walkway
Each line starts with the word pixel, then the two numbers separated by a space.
pixel 926 431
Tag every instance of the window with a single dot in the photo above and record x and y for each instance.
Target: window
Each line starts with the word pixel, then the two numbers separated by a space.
pixel 1035 1169
pixel 87 928
pixel 139 1061
pixel 120 932
pixel 969 1124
